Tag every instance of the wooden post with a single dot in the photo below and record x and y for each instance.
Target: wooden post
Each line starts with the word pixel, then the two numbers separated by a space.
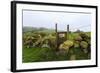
pixel 56 37
pixel 56 27
pixel 67 32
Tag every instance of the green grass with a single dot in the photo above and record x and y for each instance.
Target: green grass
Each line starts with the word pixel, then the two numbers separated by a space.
pixel 46 54
pixel 49 54
pixel 32 54
pixel 72 35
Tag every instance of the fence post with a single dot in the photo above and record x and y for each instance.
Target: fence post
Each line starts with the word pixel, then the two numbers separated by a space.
pixel 56 37
pixel 67 32
pixel 56 27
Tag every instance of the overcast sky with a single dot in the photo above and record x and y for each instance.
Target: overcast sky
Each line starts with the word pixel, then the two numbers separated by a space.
pixel 49 19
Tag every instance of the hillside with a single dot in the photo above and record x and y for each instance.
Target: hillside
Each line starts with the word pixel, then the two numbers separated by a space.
pixel 27 29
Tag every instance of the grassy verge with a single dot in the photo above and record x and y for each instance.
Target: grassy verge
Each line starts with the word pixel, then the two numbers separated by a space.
pixel 45 54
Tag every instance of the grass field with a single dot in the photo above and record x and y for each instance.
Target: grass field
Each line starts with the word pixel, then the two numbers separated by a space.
pixel 36 54
pixel 45 54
